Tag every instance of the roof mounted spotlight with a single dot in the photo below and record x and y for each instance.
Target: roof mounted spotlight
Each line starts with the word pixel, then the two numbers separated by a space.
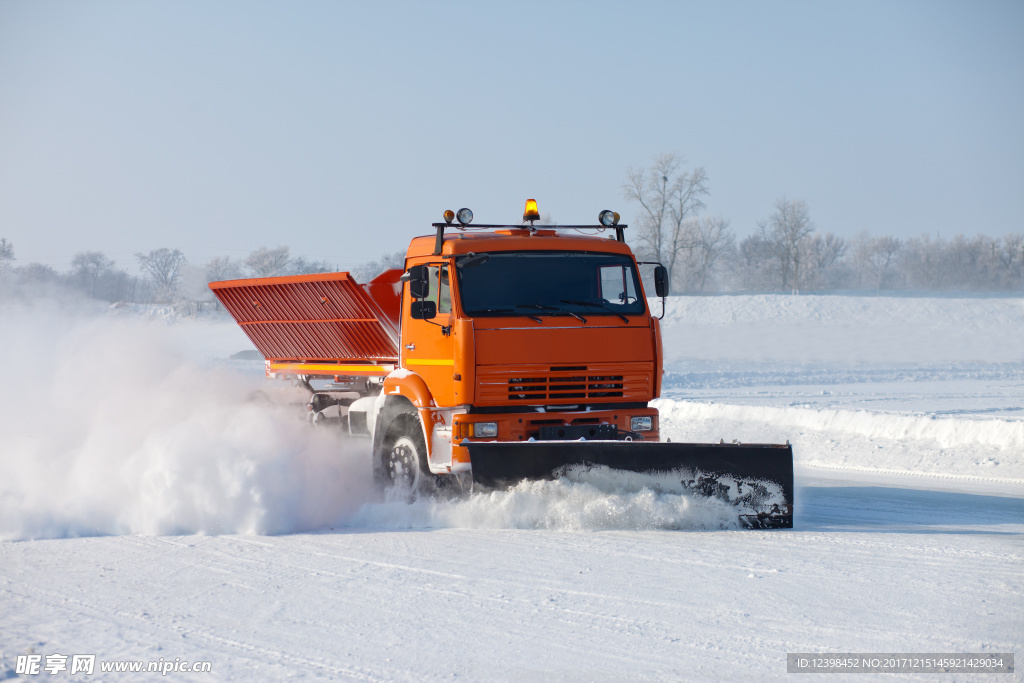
pixel 531 213
pixel 608 218
pixel 449 216
pixel 465 216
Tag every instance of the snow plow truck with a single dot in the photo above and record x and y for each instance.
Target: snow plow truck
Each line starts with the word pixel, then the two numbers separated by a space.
pixel 499 353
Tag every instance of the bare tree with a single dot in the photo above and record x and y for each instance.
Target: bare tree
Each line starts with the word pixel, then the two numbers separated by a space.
pixel 753 264
pixel 37 273
pixel 88 266
pixel 711 239
pixel 668 195
pixel 785 232
pixel 966 256
pixel 222 268
pixel 120 285
pixel 6 251
pixel 6 258
pixel 821 254
pixel 372 269
pixel 1010 256
pixel 924 262
pixel 876 257
pixel 164 268
pixel 266 262
pixel 300 266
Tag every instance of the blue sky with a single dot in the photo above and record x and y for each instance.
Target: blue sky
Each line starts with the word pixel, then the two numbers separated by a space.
pixel 343 129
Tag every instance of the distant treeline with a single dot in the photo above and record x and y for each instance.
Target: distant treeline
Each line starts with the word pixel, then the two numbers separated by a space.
pixel 827 262
pixel 788 254
pixel 760 263
pixel 701 253
pixel 163 275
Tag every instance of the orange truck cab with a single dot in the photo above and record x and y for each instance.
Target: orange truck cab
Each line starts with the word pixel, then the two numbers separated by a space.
pixel 532 335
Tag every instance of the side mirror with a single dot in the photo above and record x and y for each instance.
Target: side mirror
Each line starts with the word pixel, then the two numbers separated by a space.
pixel 419 283
pixel 661 281
pixel 423 310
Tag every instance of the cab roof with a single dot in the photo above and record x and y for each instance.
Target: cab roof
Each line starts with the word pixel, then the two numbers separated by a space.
pixel 515 239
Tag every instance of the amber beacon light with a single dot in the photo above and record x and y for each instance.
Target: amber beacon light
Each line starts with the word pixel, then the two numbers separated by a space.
pixel 531 213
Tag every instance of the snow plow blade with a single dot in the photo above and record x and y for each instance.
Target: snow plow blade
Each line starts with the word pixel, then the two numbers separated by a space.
pixel 757 478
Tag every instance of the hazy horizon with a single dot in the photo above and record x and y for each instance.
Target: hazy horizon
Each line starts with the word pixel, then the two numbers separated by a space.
pixel 343 129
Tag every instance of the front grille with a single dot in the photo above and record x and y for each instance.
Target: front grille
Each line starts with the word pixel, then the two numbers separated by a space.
pixel 555 387
pixel 572 384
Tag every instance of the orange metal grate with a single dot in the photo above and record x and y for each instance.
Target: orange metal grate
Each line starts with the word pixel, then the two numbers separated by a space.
pixel 327 316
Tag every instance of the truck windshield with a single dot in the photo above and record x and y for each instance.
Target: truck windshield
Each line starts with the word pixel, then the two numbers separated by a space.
pixel 543 283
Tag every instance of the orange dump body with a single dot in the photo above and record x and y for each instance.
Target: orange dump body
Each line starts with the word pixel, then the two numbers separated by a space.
pixel 320 325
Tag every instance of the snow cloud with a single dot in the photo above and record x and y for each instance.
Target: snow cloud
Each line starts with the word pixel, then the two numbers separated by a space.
pixel 107 429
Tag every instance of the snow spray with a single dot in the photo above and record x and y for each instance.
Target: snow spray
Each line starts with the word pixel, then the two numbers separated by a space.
pixel 106 429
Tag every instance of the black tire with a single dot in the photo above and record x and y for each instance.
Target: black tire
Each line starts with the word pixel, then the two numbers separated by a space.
pixel 401 461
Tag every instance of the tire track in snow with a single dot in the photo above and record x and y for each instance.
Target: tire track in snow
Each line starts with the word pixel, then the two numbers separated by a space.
pixel 537 584
pixel 502 592
pixel 147 623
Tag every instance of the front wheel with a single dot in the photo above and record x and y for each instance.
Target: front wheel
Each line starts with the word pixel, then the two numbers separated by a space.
pixel 402 460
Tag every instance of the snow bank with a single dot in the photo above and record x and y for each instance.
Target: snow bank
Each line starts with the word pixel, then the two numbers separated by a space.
pixel 954 446
pixel 842 329
pixel 944 432
pixel 785 345
pixel 833 309
pixel 107 429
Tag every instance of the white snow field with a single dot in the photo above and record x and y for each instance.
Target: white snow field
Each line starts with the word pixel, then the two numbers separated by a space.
pixel 150 512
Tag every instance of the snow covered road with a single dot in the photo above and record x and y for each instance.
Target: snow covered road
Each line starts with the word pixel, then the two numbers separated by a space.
pixel 877 564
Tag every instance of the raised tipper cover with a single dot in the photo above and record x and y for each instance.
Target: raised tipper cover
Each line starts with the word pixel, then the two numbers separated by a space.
pixel 326 317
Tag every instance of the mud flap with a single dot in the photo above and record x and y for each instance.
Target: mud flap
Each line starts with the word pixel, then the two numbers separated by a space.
pixel 758 478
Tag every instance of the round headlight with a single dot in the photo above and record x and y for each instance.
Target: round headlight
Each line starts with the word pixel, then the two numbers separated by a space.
pixel 608 218
pixel 465 216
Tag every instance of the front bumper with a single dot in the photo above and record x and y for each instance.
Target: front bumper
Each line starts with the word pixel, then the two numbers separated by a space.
pixel 549 426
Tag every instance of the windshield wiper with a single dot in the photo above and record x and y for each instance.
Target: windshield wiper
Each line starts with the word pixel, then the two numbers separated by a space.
pixel 472 260
pixel 508 310
pixel 599 304
pixel 556 309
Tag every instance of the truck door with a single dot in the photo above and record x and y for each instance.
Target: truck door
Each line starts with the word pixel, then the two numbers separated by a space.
pixel 427 345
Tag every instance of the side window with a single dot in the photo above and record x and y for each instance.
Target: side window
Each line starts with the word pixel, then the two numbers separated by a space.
pixel 617 284
pixel 440 288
